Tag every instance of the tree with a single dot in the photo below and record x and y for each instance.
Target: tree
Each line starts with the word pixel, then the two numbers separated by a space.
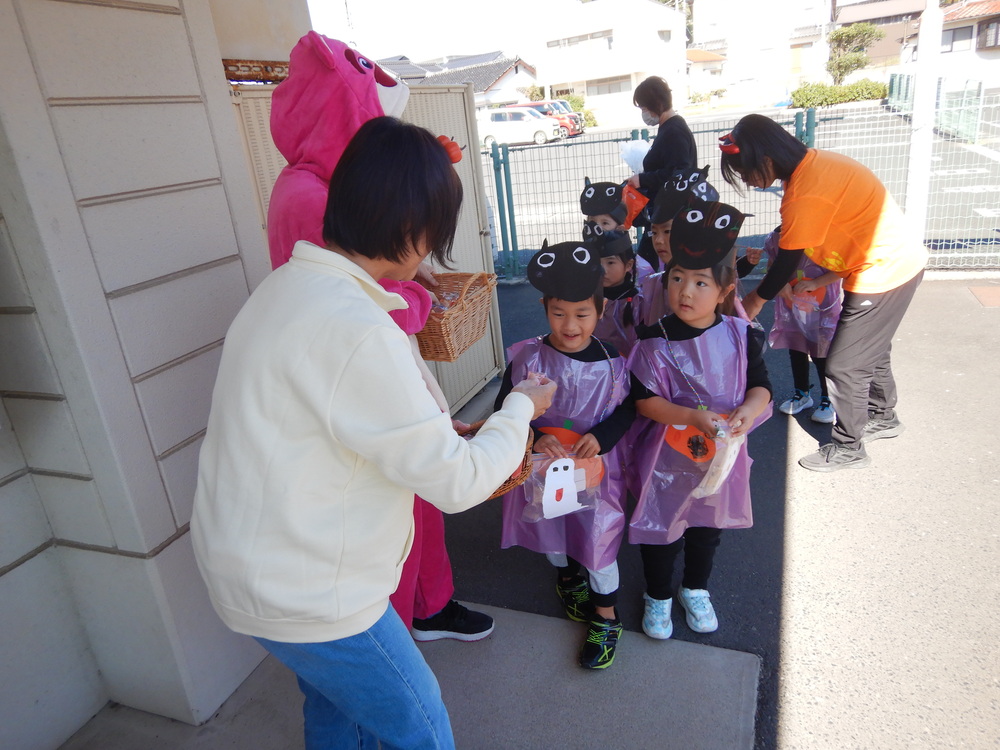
pixel 532 93
pixel 847 49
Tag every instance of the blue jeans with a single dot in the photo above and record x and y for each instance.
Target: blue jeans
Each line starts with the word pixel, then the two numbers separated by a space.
pixel 371 687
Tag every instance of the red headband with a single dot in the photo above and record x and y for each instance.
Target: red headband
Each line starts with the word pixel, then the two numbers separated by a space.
pixel 727 145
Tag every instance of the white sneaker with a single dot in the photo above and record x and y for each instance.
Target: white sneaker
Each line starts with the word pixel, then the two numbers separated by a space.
pixel 825 413
pixel 801 400
pixel 700 613
pixel 656 622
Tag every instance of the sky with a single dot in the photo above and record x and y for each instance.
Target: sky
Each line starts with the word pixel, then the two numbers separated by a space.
pixel 424 29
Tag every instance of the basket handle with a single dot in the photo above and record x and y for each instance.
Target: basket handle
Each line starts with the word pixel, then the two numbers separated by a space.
pixel 469 282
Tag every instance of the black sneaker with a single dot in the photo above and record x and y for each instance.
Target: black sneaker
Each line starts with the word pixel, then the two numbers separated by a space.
pixel 598 650
pixel 877 428
pixel 575 595
pixel 454 621
pixel 833 457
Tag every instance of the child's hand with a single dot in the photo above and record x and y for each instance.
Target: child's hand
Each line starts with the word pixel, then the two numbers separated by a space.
pixel 459 426
pixel 753 254
pixel 805 286
pixel 740 420
pixel 786 292
pixel 587 446
pixel 706 421
pixel 550 446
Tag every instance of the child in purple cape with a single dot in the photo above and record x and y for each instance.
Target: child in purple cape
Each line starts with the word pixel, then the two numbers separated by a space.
pixel 804 323
pixel 700 385
pixel 589 415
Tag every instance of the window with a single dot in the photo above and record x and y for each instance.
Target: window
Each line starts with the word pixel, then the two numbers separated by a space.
pixel 956 40
pixel 989 35
pixel 664 35
pixel 608 86
pixel 581 38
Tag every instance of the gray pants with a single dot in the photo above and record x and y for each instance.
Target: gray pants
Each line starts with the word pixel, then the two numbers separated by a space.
pixel 858 371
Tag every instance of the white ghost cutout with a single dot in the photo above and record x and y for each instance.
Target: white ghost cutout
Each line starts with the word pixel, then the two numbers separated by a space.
pixel 562 483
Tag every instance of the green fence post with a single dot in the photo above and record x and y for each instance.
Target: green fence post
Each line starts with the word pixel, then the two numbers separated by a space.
pixel 635 134
pixel 811 127
pixel 505 253
pixel 515 262
pixel 644 134
pixel 799 129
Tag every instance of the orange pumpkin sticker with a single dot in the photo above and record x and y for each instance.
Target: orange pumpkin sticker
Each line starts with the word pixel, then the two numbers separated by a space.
pixel 691 442
pixel 593 467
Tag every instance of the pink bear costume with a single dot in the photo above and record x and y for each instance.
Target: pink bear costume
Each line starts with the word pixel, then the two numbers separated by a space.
pixel 330 92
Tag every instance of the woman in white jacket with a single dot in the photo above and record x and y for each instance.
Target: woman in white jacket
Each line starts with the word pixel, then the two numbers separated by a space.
pixel 320 433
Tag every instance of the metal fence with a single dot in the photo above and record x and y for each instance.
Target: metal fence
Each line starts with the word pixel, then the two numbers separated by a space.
pixel 533 191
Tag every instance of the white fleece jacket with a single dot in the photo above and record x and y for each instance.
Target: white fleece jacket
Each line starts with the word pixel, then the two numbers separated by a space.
pixel 320 433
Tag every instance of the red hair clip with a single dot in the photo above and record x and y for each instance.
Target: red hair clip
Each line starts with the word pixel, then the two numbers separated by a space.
pixel 453 149
pixel 727 145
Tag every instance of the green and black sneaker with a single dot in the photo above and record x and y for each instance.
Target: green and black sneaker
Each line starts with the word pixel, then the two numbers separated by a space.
pixel 598 650
pixel 575 595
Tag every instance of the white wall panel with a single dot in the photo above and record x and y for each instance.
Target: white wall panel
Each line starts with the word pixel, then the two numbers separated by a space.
pixel 176 401
pixel 141 239
pixel 85 50
pixel 74 509
pixel 167 321
pixel 13 291
pixel 23 526
pixel 51 684
pixel 47 435
pixel 158 144
pixel 25 362
pixel 180 475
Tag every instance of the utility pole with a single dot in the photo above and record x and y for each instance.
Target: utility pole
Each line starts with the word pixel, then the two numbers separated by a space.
pixel 923 119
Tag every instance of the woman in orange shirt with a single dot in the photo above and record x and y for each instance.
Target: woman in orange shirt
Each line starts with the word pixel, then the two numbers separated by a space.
pixel 837 212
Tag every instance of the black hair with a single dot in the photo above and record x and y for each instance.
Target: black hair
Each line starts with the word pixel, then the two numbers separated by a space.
pixel 724 273
pixel 597 298
pixel 758 137
pixel 393 187
pixel 653 94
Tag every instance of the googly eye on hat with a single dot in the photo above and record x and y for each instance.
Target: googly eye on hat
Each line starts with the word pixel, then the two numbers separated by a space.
pixel 703 233
pixel 600 198
pixel 675 192
pixel 569 271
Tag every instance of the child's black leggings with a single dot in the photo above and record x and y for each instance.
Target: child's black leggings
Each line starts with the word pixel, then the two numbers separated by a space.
pixel 800 371
pixel 699 545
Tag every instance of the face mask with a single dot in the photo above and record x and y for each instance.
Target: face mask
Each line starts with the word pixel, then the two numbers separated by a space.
pixel 650 119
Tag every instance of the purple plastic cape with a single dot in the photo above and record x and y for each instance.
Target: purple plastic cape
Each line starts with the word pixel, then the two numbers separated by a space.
pixel 803 326
pixel 588 393
pixel 660 476
pixel 611 327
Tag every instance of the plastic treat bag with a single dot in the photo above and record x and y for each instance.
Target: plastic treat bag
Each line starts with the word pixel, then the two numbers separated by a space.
pixel 727 448
pixel 560 486
pixel 633 152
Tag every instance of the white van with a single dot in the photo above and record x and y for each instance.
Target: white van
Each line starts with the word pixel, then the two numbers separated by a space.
pixel 522 125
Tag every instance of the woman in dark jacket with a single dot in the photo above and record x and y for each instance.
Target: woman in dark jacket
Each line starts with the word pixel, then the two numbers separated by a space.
pixel 672 149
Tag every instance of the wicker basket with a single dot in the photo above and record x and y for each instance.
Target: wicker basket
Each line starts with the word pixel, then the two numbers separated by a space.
pixel 523 471
pixel 448 333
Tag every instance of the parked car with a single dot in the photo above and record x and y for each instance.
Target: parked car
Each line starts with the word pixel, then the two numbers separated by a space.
pixel 516 126
pixel 567 124
pixel 578 116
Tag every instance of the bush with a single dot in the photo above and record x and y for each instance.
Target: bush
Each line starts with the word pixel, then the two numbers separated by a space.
pixel 697 97
pixel 576 104
pixel 823 95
